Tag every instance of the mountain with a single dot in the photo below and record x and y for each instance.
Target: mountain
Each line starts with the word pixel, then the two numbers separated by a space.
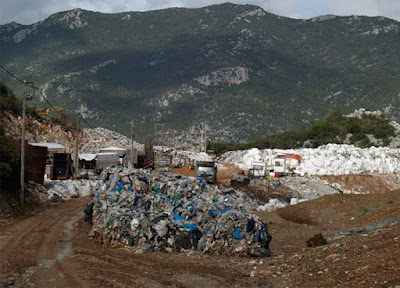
pixel 244 71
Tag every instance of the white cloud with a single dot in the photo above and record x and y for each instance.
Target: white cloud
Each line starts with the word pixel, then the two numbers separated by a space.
pixel 31 11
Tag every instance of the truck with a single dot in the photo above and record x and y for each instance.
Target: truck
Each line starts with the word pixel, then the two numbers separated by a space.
pixel 163 161
pixel 63 166
pixel 258 169
pixel 206 170
pixel 87 165
pixel 212 154
pixel 286 163
pixel 106 159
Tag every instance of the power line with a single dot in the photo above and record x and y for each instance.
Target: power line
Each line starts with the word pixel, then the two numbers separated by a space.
pixel 48 102
pixel 30 85
pixel 88 124
pixel 40 92
pixel 11 74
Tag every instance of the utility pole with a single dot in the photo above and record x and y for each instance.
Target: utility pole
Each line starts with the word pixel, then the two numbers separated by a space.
pixel 22 175
pixel 174 141
pixel 156 140
pixel 201 137
pixel 157 133
pixel 205 137
pixel 132 143
pixel 22 193
pixel 162 131
pixel 76 147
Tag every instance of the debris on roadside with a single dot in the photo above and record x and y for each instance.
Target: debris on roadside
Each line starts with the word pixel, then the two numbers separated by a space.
pixel 239 180
pixel 316 240
pixel 64 190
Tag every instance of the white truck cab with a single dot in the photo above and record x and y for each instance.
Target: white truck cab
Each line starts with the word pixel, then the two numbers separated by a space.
pixel 257 169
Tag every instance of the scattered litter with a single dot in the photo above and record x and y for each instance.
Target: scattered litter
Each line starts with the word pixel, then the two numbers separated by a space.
pixel 64 190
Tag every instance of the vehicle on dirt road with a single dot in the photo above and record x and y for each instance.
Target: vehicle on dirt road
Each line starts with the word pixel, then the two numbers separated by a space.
pixel 63 166
pixel 206 170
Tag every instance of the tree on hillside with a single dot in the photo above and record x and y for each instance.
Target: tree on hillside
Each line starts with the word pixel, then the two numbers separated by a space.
pixel 8 101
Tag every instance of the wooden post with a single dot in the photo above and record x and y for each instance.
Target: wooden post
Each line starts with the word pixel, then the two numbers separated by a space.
pixel 76 148
pixel 174 141
pixel 205 137
pixel 162 131
pixel 22 178
pixel 132 143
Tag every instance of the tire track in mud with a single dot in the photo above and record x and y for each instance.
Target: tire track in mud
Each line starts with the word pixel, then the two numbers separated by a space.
pixel 36 247
pixel 61 255
pixel 57 246
pixel 10 242
pixel 120 265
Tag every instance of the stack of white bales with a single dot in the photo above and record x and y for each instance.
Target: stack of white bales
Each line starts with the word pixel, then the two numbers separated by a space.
pixel 331 159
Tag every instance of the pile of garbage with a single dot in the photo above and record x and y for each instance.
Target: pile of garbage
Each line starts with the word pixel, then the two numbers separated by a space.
pixel 98 138
pixel 178 157
pixel 167 213
pixel 64 190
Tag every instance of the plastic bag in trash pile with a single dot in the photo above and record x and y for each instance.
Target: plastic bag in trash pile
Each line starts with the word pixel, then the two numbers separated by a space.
pixel 167 213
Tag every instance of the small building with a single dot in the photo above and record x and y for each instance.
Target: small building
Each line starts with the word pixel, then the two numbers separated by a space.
pixel 51 149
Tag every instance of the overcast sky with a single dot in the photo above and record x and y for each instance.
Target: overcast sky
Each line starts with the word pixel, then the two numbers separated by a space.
pixel 32 11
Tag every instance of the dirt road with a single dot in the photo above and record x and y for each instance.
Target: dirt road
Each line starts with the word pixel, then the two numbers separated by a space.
pixel 51 248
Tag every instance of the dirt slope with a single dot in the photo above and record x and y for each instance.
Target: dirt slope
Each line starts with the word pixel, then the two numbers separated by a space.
pixel 365 183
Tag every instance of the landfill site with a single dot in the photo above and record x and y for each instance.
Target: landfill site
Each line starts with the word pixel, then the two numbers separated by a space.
pixel 142 215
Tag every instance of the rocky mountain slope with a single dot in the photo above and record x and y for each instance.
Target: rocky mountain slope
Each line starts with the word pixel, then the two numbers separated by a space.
pixel 244 71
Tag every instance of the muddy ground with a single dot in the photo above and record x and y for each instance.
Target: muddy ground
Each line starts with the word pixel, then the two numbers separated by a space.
pixel 50 248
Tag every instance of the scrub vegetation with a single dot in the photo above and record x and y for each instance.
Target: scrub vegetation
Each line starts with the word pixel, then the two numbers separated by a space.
pixel 335 128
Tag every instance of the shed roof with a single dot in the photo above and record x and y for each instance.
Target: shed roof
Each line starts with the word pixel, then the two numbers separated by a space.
pixel 50 146
pixel 113 149
pixel 87 156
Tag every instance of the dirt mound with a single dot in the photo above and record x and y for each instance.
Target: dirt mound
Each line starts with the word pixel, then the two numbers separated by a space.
pixel 344 210
pixel 225 171
pixel 185 171
pixel 364 183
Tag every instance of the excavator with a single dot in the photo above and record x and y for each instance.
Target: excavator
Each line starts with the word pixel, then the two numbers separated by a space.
pixel 293 156
pixel 283 167
pixel 280 164
pixel 45 112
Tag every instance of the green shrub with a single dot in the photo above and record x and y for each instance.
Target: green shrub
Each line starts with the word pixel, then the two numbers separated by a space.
pixel 8 101
pixel 333 129
pixel 9 162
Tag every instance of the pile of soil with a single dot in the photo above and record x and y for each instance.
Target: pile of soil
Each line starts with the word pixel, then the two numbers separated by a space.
pixel 364 183
pixel 185 171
